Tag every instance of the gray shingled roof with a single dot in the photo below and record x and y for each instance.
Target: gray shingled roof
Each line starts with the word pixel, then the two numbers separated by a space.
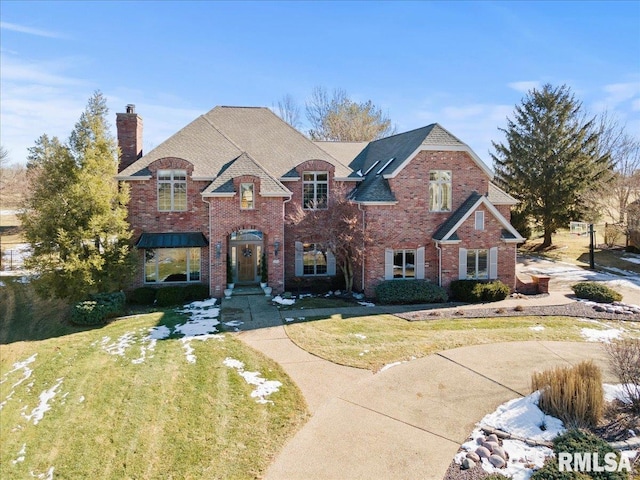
pixel 221 135
pixel 456 216
pixel 245 165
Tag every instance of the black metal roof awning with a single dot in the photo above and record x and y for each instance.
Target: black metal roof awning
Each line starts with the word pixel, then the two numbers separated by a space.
pixel 172 240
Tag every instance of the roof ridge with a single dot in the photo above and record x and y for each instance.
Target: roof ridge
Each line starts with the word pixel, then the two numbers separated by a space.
pixel 223 134
pixel 431 125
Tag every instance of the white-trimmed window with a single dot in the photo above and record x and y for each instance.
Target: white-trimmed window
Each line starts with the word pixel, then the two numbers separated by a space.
pixel 315 190
pixel 246 196
pixel 404 263
pixel 312 259
pixel 172 265
pixel 478 264
pixel 440 191
pixel 479 220
pixel 172 190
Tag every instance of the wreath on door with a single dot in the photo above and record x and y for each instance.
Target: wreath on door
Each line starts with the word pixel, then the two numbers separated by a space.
pixel 247 252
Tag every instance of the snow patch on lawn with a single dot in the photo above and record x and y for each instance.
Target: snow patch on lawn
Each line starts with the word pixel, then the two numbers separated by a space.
pixel 391 365
pixel 537 328
pixel 630 257
pixel 46 396
pixel 283 301
pixel 620 392
pixel 594 335
pixel 21 454
pixel 26 373
pixel 367 304
pixel 48 475
pixel 264 387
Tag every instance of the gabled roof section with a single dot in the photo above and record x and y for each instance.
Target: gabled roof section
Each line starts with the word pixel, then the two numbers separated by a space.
pixel 344 152
pixel 497 196
pixel 221 135
pixel 200 143
pixel 268 139
pixel 447 231
pixel 241 166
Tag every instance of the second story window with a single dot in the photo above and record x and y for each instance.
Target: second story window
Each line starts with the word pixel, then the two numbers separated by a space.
pixel 440 191
pixel 172 190
pixel 315 190
pixel 246 196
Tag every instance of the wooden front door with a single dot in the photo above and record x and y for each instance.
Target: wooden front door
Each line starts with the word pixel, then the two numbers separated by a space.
pixel 247 261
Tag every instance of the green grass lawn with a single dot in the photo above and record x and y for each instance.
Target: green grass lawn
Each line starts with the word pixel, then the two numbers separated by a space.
pixel 144 412
pixel 373 341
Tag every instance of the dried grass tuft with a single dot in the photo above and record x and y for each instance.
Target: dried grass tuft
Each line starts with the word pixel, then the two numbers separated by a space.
pixel 572 394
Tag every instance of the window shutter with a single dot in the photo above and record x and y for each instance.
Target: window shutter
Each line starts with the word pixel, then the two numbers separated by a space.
pixel 493 263
pixel 299 260
pixel 420 263
pixel 388 264
pixel 462 264
pixel 331 263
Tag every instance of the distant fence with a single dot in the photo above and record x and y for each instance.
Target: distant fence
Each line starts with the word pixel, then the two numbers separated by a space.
pixel 13 258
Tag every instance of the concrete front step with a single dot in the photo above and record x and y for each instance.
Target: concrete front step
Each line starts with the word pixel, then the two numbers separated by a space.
pixel 247 290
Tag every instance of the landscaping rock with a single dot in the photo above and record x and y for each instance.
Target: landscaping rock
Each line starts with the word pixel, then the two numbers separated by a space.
pixel 473 456
pixel 483 452
pixel 467 464
pixel 500 452
pixel 497 461
pixel 491 445
pixel 493 438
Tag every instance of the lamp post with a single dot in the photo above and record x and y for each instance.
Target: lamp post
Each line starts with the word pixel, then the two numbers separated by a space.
pixel 592 235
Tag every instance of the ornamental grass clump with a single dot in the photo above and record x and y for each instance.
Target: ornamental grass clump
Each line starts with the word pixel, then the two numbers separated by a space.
pixel 572 394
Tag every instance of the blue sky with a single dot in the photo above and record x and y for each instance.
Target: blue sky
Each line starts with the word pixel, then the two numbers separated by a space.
pixel 463 64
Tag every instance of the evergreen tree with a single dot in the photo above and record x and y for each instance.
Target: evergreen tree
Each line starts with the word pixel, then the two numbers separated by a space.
pixel 75 215
pixel 551 159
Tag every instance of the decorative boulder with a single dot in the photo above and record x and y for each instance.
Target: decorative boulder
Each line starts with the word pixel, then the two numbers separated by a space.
pixel 493 438
pixel 467 464
pixel 473 456
pixel 483 452
pixel 491 445
pixel 500 452
pixel 497 461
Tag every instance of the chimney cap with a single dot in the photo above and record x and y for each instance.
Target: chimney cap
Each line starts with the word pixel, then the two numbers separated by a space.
pixel 131 108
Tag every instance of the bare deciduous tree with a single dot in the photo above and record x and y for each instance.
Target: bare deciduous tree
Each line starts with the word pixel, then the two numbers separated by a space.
pixel 338 228
pixel 289 111
pixel 338 118
pixel 13 180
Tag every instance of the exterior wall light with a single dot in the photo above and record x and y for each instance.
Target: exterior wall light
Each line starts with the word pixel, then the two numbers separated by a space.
pixel 276 248
pixel 218 249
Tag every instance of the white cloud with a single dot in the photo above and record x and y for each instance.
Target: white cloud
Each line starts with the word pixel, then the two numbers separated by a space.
pixel 29 30
pixel 524 86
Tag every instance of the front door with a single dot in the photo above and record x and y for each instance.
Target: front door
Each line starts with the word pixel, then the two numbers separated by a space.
pixel 247 262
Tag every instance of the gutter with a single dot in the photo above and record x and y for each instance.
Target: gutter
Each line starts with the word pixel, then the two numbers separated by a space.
pixel 439 263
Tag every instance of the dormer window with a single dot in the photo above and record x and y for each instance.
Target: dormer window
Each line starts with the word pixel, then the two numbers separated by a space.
pixel 315 190
pixel 246 196
pixel 172 190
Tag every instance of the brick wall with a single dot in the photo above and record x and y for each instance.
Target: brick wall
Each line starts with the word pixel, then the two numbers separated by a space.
pixel 228 217
pixel 409 224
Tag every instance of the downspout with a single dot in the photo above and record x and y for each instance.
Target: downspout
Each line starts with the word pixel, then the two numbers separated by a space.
pixel 210 241
pixel 363 245
pixel 439 264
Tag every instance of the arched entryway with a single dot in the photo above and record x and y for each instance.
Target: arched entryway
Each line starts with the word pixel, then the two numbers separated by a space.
pixel 246 247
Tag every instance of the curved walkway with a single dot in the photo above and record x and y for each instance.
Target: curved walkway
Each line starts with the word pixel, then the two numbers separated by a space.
pixel 407 421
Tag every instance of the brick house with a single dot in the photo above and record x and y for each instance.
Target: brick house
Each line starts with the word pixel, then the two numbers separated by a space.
pixel 219 191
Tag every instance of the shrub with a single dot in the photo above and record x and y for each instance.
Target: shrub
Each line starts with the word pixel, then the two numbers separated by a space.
pixel 196 291
pixel 576 441
pixel 474 291
pixel 596 292
pixel 169 296
pixel 572 394
pixel 624 358
pixel 98 309
pixel 143 296
pixel 410 291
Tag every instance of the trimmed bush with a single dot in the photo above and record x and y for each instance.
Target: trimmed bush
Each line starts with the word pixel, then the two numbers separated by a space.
pixel 577 441
pixel 196 291
pixel 475 291
pixel 596 292
pixel 143 296
pixel 98 309
pixel 572 394
pixel 170 296
pixel 410 291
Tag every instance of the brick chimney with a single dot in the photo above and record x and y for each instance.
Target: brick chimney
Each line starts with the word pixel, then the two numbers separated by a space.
pixel 129 126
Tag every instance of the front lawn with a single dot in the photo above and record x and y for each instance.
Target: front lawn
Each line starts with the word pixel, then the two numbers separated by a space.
pixel 130 401
pixel 373 341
